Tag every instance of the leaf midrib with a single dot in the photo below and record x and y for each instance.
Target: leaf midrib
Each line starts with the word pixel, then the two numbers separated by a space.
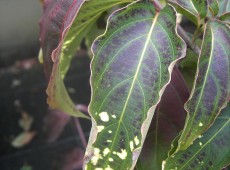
pixel 205 80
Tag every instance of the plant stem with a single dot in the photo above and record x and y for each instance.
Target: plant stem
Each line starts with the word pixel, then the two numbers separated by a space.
pixel 80 132
pixel 180 31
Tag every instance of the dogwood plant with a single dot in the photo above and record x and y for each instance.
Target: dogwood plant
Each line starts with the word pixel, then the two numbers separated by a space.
pixel 137 59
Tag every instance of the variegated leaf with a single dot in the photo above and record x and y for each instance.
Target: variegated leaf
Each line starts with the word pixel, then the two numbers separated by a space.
pixel 212 86
pixel 210 151
pixel 131 67
pixel 194 10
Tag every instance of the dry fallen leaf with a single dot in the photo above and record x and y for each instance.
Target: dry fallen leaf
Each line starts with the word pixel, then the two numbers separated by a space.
pixel 26 121
pixel 23 139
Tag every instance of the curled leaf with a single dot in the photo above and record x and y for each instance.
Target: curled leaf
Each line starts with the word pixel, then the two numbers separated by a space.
pixel 211 89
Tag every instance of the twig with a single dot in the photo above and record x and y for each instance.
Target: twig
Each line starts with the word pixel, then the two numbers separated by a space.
pixel 180 31
pixel 80 132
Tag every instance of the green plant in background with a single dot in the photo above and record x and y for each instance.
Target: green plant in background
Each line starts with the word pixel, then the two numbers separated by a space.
pixel 133 62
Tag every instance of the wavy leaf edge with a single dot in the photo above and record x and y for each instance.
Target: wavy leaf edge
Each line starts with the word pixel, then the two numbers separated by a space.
pixel 150 113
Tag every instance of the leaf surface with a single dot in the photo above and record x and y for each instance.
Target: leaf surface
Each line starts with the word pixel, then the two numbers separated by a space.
pixel 210 151
pixel 193 9
pixel 211 89
pixel 214 7
pixel 131 67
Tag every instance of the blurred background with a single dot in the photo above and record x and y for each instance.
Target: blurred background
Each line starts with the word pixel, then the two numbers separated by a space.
pixel 33 137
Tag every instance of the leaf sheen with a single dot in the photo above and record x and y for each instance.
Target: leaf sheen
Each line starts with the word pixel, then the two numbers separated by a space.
pixel 132 64
pixel 211 89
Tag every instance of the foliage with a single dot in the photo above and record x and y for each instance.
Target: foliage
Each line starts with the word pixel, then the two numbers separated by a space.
pixel 136 81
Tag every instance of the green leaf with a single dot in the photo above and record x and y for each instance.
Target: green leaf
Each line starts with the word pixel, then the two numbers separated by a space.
pixel 131 67
pixel 212 85
pixel 210 151
pixel 193 9
pixel 225 17
pixel 213 7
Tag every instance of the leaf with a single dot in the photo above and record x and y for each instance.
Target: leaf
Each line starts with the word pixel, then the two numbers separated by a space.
pixel 225 17
pixel 26 121
pixel 210 151
pixel 193 9
pixel 166 124
pixel 213 7
pixel 188 67
pixel 23 139
pixel 224 6
pixel 211 89
pixel 131 67
pixel 55 23
pixel 61 35
pixel 82 25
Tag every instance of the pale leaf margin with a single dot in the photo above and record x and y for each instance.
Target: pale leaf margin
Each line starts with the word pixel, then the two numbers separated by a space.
pixel 56 85
pixel 150 113
pixel 182 146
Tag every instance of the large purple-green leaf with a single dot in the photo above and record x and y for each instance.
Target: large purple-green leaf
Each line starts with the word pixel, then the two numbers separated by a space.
pixel 210 151
pixel 194 10
pixel 212 86
pixel 131 67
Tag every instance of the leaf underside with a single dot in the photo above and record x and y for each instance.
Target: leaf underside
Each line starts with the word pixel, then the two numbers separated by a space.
pixel 132 64
pixel 212 85
pixel 210 151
